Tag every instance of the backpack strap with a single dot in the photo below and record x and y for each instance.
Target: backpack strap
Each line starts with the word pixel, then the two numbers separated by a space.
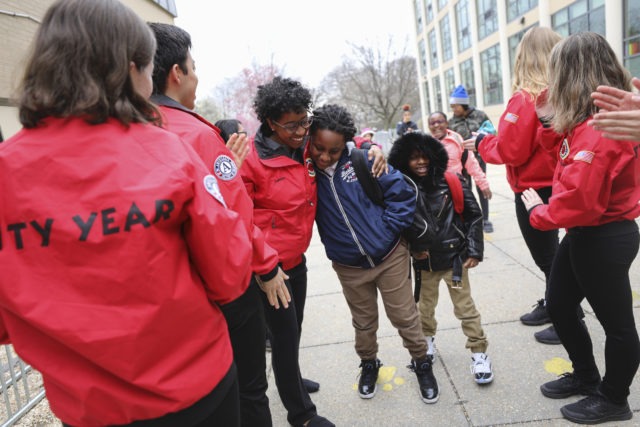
pixel 455 186
pixel 367 181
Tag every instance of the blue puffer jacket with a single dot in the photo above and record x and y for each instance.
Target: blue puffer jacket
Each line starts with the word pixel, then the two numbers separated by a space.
pixel 354 230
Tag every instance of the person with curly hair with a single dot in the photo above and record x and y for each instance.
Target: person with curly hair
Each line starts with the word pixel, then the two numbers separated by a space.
pixel 280 178
pixel 363 239
pixel 595 196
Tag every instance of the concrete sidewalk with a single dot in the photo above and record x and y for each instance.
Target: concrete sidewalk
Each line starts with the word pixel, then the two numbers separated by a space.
pixel 504 286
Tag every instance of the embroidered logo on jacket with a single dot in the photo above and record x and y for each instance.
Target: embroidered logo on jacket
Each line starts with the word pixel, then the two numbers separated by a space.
pixel 584 156
pixel 225 168
pixel 511 118
pixel 211 185
pixel 564 149
pixel 309 163
pixel 348 174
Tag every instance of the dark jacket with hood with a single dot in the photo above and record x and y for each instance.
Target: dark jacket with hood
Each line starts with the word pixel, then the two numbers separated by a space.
pixel 459 236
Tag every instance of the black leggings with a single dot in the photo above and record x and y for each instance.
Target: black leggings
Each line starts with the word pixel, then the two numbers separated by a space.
pixel 593 263
pixel 542 244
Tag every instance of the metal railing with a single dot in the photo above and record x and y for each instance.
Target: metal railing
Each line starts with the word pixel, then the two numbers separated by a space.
pixel 18 394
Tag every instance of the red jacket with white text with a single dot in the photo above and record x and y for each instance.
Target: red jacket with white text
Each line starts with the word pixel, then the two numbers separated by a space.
pixel 205 138
pixel 115 249
pixel 517 146
pixel 596 181
pixel 284 197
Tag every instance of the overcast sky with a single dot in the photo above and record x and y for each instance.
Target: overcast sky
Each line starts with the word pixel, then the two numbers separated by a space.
pixel 307 38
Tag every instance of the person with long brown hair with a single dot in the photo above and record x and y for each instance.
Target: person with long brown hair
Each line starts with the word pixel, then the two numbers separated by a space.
pixel 528 164
pixel 116 244
pixel 595 197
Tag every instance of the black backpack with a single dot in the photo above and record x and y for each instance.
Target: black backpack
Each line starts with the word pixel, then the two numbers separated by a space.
pixel 422 231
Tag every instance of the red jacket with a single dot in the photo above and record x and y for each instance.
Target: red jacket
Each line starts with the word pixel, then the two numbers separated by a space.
pixel 517 146
pixel 284 197
pixel 112 255
pixel 596 181
pixel 206 140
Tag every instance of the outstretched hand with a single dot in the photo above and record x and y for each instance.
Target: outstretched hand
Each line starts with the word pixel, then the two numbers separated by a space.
pixel 619 116
pixel 238 144
pixel 531 199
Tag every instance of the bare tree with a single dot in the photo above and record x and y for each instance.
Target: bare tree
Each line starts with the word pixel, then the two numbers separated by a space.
pixel 374 84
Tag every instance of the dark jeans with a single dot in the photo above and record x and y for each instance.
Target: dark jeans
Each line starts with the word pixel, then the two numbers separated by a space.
pixel 285 326
pixel 245 318
pixel 593 263
pixel 219 408
pixel 542 244
pixel 484 202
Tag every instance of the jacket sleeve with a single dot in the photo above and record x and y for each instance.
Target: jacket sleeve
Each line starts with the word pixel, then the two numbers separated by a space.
pixel 216 237
pixel 473 167
pixel 581 194
pixel 472 216
pixel 400 201
pixel 4 334
pixel 516 141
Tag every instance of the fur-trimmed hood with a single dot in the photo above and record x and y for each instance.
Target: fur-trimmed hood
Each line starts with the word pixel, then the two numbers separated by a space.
pixel 431 147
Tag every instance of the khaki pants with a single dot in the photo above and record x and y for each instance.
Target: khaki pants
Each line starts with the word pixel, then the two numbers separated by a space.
pixel 392 278
pixel 463 307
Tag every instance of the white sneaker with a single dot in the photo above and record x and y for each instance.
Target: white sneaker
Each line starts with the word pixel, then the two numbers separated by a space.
pixel 481 368
pixel 431 349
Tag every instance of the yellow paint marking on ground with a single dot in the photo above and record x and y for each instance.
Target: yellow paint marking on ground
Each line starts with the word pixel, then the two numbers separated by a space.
pixel 558 366
pixel 635 295
pixel 398 381
pixel 385 374
pixel 387 387
pixel 488 237
pixel 355 387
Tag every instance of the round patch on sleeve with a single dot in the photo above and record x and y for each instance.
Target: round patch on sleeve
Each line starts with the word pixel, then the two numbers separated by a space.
pixel 225 168
pixel 211 185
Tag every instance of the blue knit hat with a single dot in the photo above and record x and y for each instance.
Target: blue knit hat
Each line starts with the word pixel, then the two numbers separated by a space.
pixel 459 96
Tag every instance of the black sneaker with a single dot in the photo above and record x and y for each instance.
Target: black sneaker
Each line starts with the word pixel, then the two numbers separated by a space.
pixel 368 377
pixel 568 385
pixel 487 227
pixel 310 386
pixel 426 380
pixel 548 336
pixel 596 409
pixel 538 315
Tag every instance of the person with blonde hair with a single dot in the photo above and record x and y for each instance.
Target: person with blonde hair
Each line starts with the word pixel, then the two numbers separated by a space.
pixel 528 164
pixel 595 197
pixel 116 245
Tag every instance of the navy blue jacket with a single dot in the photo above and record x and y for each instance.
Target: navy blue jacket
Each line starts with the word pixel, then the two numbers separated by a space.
pixel 354 230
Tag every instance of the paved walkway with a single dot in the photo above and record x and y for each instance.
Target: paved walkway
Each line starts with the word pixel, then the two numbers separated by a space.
pixel 504 286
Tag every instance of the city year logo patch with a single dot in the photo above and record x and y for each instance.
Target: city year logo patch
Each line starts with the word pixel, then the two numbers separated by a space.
pixel 225 168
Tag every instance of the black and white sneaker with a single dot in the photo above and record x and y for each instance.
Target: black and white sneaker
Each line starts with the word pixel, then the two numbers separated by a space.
pixel 368 378
pixel 431 349
pixel 481 368
pixel 426 380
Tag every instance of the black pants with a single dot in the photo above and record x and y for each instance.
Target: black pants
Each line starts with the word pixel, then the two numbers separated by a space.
pixel 285 326
pixel 220 408
pixel 484 202
pixel 593 263
pixel 542 244
pixel 245 318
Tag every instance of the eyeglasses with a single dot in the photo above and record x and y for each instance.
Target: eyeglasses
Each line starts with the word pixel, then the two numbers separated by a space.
pixel 437 122
pixel 291 127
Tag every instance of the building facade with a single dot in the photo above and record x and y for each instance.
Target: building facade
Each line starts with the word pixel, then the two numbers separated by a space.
pixel 473 42
pixel 19 20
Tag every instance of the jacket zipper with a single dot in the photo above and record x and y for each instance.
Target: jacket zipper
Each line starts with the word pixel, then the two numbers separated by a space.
pixel 346 220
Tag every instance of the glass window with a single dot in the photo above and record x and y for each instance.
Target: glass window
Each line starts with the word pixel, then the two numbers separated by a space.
pixel 582 15
pixel 466 78
pixel 426 93
pixel 464 27
pixel 428 7
pixel 491 75
pixel 423 56
pixel 437 93
pixel 433 48
pixel 441 4
pixel 417 4
pixel 449 80
pixel 515 8
pixel 514 40
pixel 168 5
pixel 487 17
pixel 632 36
pixel 445 37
